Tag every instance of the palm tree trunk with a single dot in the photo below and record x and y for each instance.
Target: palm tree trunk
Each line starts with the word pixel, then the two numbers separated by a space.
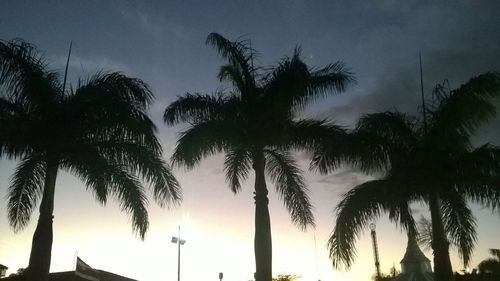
pixel 440 245
pixel 41 247
pixel 262 242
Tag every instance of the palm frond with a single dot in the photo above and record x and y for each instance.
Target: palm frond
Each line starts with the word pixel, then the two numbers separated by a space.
pixel 332 78
pixel 330 144
pixel 239 54
pixel 290 185
pixel 91 167
pixel 142 161
pixel 111 106
pixel 151 167
pixel 358 208
pixel 395 126
pixel 385 138
pixel 132 91
pixel 196 108
pixel 15 130
pixel 25 189
pixel 462 110
pixel 24 75
pixel 460 224
pixel 294 85
pixel 477 176
pixel 104 178
pixel 288 82
pixel 309 134
pixel 130 194
pixel 481 163
pixel 202 140
pixel 237 166
pixel 233 74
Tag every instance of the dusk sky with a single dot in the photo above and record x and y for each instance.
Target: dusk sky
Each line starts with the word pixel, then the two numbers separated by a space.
pixel 163 43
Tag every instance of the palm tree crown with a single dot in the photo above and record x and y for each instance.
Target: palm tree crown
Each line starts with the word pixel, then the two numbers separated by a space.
pixel 433 162
pixel 99 132
pixel 254 124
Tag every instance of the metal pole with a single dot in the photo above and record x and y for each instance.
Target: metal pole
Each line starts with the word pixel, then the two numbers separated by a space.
pixel 422 93
pixel 179 255
pixel 66 70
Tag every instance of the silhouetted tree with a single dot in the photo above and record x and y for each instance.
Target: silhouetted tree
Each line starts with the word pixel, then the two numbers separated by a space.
pixel 254 124
pixel 383 277
pixel 432 161
pixel 491 265
pixel 20 272
pixel 99 132
pixel 424 229
pixel 424 238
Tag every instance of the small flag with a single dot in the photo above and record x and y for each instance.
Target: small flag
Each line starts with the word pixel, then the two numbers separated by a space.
pixel 85 271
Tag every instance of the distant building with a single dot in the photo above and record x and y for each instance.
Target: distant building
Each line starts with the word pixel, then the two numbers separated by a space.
pixel 72 276
pixel 415 266
pixel 3 270
pixel 82 272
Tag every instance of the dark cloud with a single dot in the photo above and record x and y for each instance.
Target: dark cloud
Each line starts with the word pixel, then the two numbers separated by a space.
pixel 456 44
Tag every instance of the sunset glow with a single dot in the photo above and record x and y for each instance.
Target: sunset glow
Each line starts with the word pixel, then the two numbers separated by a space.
pixel 163 43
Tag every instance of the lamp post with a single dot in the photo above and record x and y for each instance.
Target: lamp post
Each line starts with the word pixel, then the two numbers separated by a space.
pixel 221 275
pixel 179 242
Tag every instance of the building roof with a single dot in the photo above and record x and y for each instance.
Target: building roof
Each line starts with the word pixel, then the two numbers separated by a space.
pixel 413 253
pixel 3 267
pixel 71 276
pixel 415 266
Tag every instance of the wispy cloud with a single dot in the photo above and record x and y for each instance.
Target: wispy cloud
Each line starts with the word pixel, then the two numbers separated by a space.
pixel 158 27
pixel 456 45
pixel 345 179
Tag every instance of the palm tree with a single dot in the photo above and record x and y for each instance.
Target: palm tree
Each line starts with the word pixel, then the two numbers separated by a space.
pixel 254 124
pixel 431 161
pixel 99 132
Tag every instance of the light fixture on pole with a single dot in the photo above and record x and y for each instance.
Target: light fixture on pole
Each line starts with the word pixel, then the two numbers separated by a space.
pixel 177 240
pixel 221 275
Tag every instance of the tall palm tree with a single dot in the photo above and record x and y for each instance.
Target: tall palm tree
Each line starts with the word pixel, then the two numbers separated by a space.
pixel 99 132
pixel 431 161
pixel 254 124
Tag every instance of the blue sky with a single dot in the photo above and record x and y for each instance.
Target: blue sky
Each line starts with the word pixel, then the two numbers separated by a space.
pixel 163 43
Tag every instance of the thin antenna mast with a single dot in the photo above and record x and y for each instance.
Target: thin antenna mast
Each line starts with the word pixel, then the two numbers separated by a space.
pixel 251 60
pixel 316 255
pixel 422 93
pixel 76 256
pixel 66 70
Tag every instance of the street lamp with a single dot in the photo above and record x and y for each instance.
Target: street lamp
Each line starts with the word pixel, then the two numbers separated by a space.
pixel 177 240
